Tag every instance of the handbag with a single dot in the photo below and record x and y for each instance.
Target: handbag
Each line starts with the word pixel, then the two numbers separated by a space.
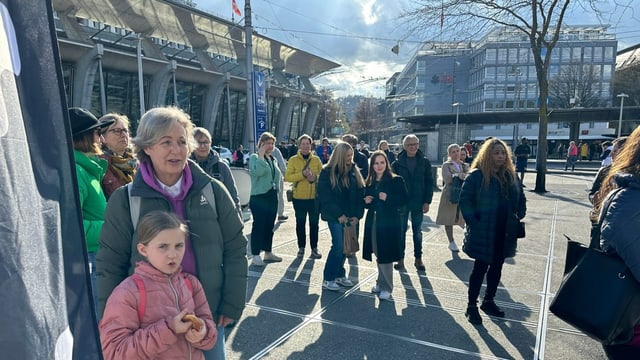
pixel 599 297
pixel 521 230
pixel 575 251
pixel 456 189
pixel 290 191
pixel 350 243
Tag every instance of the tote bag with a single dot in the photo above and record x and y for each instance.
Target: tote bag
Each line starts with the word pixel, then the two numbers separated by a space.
pixel 599 297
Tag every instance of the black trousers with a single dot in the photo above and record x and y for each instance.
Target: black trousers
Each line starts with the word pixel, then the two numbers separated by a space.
pixel 493 272
pixel 264 208
pixel 304 207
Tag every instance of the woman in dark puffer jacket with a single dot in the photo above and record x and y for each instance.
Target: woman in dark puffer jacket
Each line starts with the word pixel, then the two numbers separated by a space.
pixel 620 223
pixel 492 203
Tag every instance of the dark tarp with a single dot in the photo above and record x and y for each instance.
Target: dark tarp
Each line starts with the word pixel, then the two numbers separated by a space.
pixel 45 303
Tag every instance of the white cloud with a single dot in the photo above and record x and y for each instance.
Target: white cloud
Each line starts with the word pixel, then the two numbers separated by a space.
pixel 360 34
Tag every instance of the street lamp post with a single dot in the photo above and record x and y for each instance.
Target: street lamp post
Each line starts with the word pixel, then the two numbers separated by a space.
pixel 621 96
pixel 457 106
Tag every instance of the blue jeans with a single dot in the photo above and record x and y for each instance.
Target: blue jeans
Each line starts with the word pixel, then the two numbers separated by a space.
pixel 334 267
pixel 416 228
pixel 218 352
pixel 94 277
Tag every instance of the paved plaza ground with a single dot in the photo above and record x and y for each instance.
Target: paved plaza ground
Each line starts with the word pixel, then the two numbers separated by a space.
pixel 289 316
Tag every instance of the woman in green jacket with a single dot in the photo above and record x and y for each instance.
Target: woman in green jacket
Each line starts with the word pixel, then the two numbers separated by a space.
pixel 265 180
pixel 167 180
pixel 90 170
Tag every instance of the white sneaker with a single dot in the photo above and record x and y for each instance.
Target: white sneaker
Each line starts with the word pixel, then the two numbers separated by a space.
pixel 271 257
pixel 330 285
pixel 453 247
pixel 344 281
pixel 257 261
pixel 375 289
pixel 385 295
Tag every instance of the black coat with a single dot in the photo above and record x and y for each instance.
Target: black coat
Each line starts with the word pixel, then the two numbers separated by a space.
pixel 419 182
pixel 389 234
pixel 338 201
pixel 479 207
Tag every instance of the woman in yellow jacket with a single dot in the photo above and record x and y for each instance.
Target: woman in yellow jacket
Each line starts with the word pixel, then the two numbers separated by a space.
pixel 303 170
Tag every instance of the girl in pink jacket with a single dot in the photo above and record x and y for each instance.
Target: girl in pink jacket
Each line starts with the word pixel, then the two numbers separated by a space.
pixel 144 316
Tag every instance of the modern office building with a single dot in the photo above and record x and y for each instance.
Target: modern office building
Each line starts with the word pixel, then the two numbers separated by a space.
pixel 497 74
pixel 127 56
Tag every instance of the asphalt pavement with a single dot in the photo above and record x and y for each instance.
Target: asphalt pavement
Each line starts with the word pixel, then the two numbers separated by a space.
pixel 289 316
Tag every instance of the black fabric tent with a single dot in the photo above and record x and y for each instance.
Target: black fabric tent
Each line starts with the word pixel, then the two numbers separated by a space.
pixel 45 297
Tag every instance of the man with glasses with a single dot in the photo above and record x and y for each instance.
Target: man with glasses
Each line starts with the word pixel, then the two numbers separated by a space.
pixel 416 171
pixel 209 160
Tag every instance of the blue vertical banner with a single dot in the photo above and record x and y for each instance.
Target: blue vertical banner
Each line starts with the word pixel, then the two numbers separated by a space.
pixel 259 103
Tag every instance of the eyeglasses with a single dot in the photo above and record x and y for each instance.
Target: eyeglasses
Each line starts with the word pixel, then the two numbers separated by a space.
pixel 118 131
pixel 204 143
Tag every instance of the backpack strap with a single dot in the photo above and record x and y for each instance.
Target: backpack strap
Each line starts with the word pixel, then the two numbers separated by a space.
pixel 134 207
pixel 207 192
pixel 143 295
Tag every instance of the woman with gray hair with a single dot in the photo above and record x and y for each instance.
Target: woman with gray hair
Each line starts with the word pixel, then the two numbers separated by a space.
pixel 167 180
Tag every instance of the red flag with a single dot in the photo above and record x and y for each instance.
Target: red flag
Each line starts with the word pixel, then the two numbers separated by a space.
pixel 236 9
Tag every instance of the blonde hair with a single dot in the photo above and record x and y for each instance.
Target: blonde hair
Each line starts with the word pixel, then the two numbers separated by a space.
pixel 266 136
pixel 627 161
pixel 505 174
pixel 155 222
pixel 340 170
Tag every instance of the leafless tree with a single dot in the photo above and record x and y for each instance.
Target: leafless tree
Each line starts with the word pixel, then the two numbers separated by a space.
pixel 539 20
pixel 574 86
pixel 627 80
pixel 367 118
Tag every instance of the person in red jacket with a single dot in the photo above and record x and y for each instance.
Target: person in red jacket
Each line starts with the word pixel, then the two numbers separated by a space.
pixel 145 315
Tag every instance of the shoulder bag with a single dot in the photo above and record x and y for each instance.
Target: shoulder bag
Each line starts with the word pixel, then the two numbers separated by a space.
pixel 290 191
pixel 600 297
pixel 456 189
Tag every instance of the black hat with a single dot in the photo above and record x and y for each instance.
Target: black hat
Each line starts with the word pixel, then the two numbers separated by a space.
pixel 82 121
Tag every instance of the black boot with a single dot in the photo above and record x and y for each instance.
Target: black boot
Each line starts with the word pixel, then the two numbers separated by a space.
pixel 490 308
pixel 473 315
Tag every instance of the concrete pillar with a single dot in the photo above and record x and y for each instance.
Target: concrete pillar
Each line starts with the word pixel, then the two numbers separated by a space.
pixel 85 73
pixel 160 84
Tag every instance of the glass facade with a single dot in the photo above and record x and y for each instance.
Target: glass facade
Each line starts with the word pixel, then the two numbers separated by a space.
pixel 238 105
pixel 121 92
pixel 190 99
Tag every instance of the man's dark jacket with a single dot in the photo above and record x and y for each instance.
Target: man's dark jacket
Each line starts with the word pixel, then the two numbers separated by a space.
pixel 419 183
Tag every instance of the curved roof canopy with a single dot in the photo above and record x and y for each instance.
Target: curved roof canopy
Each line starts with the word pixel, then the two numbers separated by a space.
pixel 189 26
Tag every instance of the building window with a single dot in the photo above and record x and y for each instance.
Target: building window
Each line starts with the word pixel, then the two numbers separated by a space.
pixel 523 55
pixel 502 56
pixel 608 53
pixel 597 54
pixel 490 56
pixel 566 55
pixel 587 54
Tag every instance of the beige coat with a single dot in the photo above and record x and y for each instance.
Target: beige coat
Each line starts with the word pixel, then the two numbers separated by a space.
pixel 447 210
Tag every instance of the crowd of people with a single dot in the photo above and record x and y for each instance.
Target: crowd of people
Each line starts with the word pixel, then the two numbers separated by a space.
pixel 155 206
